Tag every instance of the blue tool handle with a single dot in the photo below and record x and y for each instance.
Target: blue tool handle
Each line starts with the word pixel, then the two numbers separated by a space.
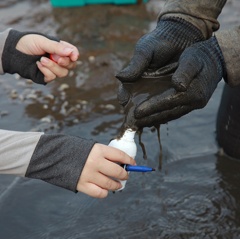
pixel 137 168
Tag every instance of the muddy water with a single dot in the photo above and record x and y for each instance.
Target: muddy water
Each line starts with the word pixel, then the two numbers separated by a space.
pixel 195 195
pixel 141 90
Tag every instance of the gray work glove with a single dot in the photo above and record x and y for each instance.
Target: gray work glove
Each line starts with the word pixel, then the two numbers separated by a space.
pixel 163 46
pixel 14 61
pixel 160 47
pixel 201 67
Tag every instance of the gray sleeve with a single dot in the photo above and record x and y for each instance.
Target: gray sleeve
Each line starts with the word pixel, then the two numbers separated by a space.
pixel 59 159
pixel 3 37
pixel 229 43
pixel 16 151
pixel 201 13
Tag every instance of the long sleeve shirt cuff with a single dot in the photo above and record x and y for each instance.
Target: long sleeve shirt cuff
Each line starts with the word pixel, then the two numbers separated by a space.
pixel 55 158
pixel 201 13
pixel 228 41
pixel 59 159
pixel 3 37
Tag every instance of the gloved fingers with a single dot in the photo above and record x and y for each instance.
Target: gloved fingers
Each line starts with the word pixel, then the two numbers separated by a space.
pixel 164 54
pixel 164 116
pixel 123 95
pixel 169 99
pixel 138 64
pixel 148 59
pixel 168 69
pixel 188 68
pixel 162 71
pixel 140 61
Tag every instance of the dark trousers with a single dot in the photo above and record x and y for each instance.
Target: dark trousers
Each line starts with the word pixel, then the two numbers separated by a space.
pixel 228 122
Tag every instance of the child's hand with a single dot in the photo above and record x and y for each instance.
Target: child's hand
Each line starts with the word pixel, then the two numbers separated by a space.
pixel 64 55
pixel 100 169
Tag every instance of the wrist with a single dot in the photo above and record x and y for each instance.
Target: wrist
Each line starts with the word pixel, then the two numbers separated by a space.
pixel 3 37
pixel 197 22
pixel 15 61
pixel 179 31
pixel 210 50
pixel 218 54
pixel 59 159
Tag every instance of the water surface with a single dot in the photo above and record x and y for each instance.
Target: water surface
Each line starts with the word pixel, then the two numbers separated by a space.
pixel 195 195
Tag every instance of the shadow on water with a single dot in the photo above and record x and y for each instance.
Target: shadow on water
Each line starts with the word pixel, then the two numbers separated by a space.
pixel 195 195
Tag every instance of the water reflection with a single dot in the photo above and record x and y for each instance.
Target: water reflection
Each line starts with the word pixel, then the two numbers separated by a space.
pixel 229 183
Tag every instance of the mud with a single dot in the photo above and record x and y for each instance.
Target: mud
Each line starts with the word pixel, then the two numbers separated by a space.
pixel 141 90
pixel 196 192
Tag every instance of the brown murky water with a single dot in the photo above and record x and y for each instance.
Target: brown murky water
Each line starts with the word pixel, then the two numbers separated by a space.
pixel 194 195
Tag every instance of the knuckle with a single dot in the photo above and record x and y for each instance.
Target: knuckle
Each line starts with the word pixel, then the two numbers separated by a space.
pixel 65 62
pixel 63 73
pixel 49 78
pixel 71 65
pixel 109 184
pixel 101 193
pixel 121 173
pixel 122 154
pixel 133 161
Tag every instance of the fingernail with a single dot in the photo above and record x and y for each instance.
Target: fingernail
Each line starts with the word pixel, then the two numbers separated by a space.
pixel 44 60
pixel 75 57
pixel 67 50
pixel 54 57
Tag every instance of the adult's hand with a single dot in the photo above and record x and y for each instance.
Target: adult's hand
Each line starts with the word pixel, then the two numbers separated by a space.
pixel 163 46
pixel 160 47
pixel 201 67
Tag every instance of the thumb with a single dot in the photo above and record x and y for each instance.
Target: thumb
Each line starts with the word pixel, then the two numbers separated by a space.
pixel 55 48
pixel 138 64
pixel 123 95
pixel 185 73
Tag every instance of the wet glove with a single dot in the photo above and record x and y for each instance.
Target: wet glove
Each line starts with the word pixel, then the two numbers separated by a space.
pixel 14 61
pixel 163 46
pixel 160 47
pixel 201 67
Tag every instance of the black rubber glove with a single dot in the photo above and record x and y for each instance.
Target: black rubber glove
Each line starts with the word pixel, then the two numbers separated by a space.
pixel 14 61
pixel 160 47
pixel 201 67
